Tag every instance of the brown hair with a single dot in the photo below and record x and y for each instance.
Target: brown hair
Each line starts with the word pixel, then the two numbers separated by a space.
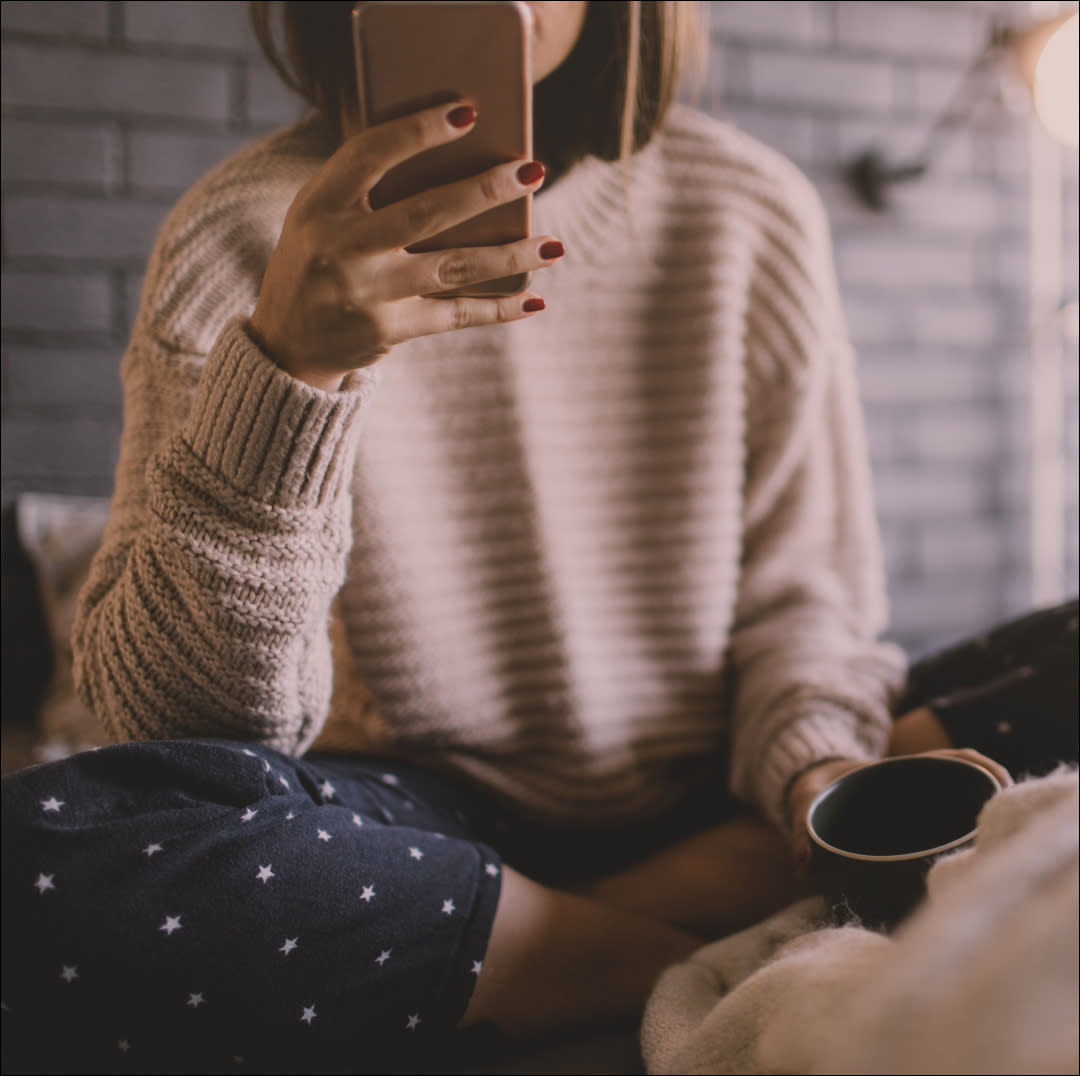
pixel 606 99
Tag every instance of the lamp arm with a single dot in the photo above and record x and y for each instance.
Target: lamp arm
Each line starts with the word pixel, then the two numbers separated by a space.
pixel 871 175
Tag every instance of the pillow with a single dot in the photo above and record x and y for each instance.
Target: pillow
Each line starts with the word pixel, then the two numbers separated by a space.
pixel 60 534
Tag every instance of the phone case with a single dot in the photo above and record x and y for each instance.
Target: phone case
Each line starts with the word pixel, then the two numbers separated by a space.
pixel 412 55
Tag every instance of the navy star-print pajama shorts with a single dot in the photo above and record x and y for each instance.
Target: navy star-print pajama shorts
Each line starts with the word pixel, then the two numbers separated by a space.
pixel 208 906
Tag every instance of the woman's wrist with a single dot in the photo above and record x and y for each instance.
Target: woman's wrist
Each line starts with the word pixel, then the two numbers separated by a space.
pixel 315 380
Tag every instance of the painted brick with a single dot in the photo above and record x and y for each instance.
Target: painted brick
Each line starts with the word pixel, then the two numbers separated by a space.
pixel 174 160
pixel 875 319
pixel 941 610
pixel 963 548
pixel 80 228
pixel 58 153
pixel 43 449
pixel 892 379
pixel 269 101
pixel 807 81
pixel 43 378
pixel 956 434
pixel 910 29
pixel 39 76
pixel 77 19
pixel 914 491
pixel 221 25
pixel 970 322
pixel 907 263
pixel 795 21
pixel 54 302
pixel 939 206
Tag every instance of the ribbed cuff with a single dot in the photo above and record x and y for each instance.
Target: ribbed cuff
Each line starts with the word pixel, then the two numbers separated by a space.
pixel 827 733
pixel 283 442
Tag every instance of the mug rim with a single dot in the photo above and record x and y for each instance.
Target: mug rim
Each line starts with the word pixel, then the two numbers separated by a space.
pixel 899 856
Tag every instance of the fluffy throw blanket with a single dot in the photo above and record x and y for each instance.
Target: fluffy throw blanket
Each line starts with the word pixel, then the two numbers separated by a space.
pixel 981 979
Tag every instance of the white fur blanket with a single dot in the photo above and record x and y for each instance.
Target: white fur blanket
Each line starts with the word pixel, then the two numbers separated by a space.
pixel 982 979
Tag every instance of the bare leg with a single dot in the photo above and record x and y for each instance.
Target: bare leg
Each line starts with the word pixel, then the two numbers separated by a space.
pixel 557 962
pixel 714 883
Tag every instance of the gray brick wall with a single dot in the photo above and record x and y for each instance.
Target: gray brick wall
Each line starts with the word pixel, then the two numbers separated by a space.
pixel 111 109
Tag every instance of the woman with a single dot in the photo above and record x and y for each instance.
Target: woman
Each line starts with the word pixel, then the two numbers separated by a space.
pixel 607 584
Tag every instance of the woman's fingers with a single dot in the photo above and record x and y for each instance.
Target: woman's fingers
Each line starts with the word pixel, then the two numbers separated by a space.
pixel 433 211
pixel 449 270
pixel 425 317
pixel 365 157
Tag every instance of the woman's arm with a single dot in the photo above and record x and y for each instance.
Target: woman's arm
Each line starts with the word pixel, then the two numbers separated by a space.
pixel 207 609
pixel 812 681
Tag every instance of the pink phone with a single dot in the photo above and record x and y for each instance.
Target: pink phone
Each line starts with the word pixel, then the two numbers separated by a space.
pixel 411 55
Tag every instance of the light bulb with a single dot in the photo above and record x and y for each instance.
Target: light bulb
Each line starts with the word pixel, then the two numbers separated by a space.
pixel 1057 83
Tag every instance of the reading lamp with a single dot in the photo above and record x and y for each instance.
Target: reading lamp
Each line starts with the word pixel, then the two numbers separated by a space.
pixel 1044 54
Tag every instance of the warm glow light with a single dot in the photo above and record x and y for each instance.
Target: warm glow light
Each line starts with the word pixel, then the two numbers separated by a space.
pixel 1057 83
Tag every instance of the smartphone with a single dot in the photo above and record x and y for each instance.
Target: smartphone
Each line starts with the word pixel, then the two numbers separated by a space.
pixel 412 55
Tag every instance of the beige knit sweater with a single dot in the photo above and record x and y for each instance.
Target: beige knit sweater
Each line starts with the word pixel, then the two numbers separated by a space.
pixel 588 559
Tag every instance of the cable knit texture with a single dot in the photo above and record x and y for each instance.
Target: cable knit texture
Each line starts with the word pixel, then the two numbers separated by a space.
pixel 587 559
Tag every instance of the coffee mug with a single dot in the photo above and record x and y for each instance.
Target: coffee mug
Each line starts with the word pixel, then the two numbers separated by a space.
pixel 877 830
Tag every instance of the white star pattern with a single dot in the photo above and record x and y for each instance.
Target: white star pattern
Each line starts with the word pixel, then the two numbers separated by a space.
pixel 247 751
pixel 284 782
pixel 195 1000
pixel 152 849
pixel 172 922
pixel 248 815
pixel 414 1020
pixel 290 816
pixel 289 946
pixel 44 882
pixel 357 820
pixel 477 967
pixel 448 907
pixel 309 1014
pixel 383 957
pixel 265 873
pixel 491 870
pixel 367 893
pixel 326 790
pixel 389 778
pixel 69 973
pixel 323 835
pixel 123 1045
pixel 266 765
pixel 52 804
pixel 1004 728
pixel 416 853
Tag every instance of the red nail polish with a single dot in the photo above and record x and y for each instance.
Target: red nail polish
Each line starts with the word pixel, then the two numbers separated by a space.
pixel 552 249
pixel 462 116
pixel 531 306
pixel 530 173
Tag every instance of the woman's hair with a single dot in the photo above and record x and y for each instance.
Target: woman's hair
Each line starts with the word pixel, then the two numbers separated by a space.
pixel 607 98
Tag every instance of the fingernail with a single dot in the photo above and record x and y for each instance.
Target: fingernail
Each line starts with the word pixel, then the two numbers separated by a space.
pixel 530 173
pixel 552 249
pixel 462 116
pixel 531 306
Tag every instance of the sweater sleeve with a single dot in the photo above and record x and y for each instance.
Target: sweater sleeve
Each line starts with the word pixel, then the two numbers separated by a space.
pixel 812 680
pixel 206 609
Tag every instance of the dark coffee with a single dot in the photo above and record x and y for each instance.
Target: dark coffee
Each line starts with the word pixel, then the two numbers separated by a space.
pixel 879 829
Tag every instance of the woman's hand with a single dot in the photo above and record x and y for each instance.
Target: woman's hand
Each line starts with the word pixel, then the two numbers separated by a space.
pixel 340 289
pixel 806 787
